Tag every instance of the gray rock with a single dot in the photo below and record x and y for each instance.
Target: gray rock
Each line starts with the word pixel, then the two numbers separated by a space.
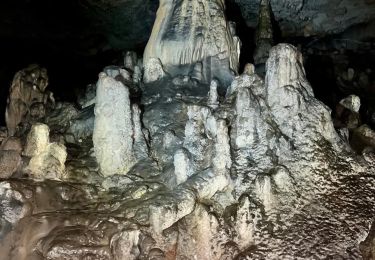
pixel 153 70
pixel 87 98
pixel 60 118
pixel 352 102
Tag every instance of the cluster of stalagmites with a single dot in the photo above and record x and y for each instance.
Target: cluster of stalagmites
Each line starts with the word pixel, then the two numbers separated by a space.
pixel 198 175
pixel 187 172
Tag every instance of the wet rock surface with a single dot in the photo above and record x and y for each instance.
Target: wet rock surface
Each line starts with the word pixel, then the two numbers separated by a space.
pixel 259 173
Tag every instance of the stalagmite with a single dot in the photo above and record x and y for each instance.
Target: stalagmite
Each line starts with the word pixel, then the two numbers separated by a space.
pixel 113 129
pixel 213 96
pixel 47 160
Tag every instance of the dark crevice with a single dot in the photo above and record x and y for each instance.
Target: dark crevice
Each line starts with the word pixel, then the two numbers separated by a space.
pixel 246 34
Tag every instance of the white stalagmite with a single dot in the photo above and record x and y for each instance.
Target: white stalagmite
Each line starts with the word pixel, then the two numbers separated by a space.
pixel 289 93
pixel 221 159
pixel 213 96
pixel 113 131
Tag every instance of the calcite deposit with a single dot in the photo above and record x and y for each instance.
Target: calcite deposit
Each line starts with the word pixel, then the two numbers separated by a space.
pixel 164 159
pixel 189 32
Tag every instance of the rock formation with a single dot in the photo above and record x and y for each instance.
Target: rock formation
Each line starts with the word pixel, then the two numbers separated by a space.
pixel 10 157
pixel 174 168
pixel 190 32
pixel 112 134
pixel 117 136
pixel 27 97
pixel 47 160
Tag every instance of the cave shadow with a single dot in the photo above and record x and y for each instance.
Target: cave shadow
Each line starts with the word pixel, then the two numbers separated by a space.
pixel 244 32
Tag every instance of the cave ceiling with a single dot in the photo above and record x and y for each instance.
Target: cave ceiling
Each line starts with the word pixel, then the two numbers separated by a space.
pixel 91 26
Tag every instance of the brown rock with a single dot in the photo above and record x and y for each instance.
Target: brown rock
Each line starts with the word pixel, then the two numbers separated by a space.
pixel 11 144
pixel 10 161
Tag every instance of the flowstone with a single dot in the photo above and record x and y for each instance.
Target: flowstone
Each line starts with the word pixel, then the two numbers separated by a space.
pixel 186 33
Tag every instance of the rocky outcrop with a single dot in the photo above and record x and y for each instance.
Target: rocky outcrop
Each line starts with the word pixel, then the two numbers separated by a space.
pixel 190 32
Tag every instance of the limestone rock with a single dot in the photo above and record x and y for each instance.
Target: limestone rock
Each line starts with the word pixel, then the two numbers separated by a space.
pixel 12 207
pixel 112 134
pixel 125 245
pixel 47 159
pixel 10 162
pixel 222 160
pixel 3 133
pixel 249 69
pixel 264 175
pixel 213 96
pixel 27 97
pixel 153 70
pixel 11 144
pixel 139 141
pixel 245 223
pixel 352 102
pixel 60 118
pixel 118 137
pixel 87 98
pixel 182 166
pixel 289 93
pixel 186 32
pixel 363 137
pixel 37 140
pixel 137 75
pixel 81 127
pixel 130 60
